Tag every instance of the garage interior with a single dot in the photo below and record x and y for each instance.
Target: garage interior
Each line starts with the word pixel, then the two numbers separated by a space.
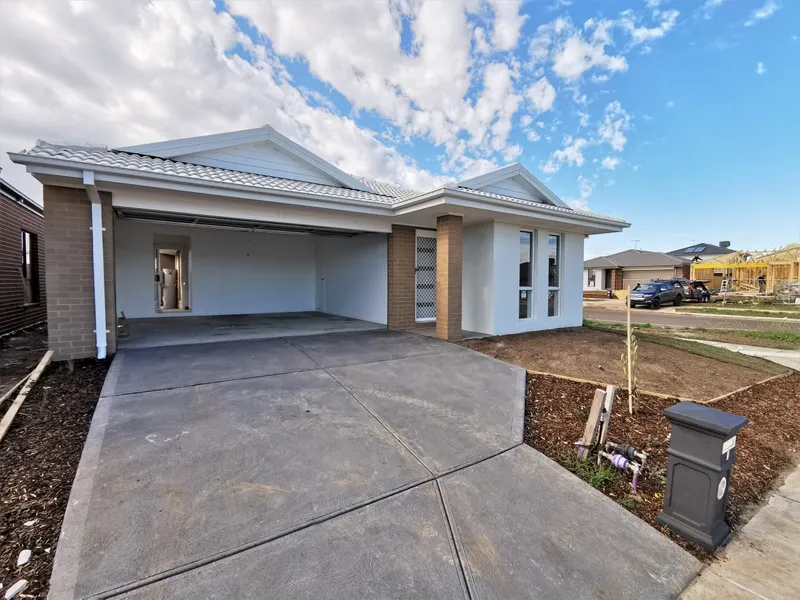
pixel 234 279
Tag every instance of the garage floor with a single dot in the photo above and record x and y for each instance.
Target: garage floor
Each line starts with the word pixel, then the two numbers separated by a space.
pixel 369 464
pixel 176 330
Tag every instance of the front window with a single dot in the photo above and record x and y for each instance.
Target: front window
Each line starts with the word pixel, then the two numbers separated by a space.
pixel 590 277
pixel 553 274
pixel 28 268
pixel 525 274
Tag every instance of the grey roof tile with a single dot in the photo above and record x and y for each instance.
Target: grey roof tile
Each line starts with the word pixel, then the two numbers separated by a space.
pixel 384 193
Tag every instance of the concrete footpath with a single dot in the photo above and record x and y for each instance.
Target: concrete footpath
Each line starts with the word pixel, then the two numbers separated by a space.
pixel 763 560
pixel 787 358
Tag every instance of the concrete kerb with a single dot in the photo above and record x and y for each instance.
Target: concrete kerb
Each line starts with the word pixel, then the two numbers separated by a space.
pixel 64 578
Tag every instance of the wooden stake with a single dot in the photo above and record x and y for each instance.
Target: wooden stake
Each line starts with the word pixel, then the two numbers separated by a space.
pixel 14 408
pixel 630 366
pixel 608 404
pixel 592 430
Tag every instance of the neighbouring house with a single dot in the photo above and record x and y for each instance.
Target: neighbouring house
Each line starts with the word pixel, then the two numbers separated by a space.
pixel 249 222
pixel 22 265
pixel 623 269
pixel 706 252
pixel 772 272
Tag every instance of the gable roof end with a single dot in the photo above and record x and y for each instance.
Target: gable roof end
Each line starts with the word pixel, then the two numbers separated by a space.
pixel 514 170
pixel 204 143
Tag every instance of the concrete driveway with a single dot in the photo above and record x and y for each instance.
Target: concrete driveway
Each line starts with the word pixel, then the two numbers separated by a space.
pixel 369 464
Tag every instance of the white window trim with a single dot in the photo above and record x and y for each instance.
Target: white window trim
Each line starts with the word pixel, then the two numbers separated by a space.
pixel 591 274
pixel 418 234
pixel 529 289
pixel 560 260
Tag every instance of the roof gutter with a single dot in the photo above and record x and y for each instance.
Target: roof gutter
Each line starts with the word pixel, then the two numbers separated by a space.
pixel 97 228
pixel 69 168
pixel 462 194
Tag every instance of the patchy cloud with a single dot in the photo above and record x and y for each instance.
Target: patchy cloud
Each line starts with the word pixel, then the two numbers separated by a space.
pixel 760 68
pixel 765 12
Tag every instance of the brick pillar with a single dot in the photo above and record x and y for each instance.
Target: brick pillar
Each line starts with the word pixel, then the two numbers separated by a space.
pixel 69 272
pixel 400 314
pixel 448 277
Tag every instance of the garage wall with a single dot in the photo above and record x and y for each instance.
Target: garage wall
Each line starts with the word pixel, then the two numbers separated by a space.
pixel 633 276
pixel 353 276
pixel 232 272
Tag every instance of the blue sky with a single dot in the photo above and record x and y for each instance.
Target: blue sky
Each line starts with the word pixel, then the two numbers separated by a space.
pixel 678 115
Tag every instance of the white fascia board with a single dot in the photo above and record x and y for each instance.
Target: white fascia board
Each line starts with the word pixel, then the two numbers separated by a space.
pixel 461 197
pixel 202 143
pixel 112 175
pixel 513 170
pixel 205 143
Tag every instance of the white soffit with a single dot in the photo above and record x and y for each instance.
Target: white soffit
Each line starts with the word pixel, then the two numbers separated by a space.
pixel 514 181
pixel 261 151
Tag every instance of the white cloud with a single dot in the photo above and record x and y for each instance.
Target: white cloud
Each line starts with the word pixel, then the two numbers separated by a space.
pixel 510 153
pixel 481 45
pixel 709 6
pixel 765 12
pixel 585 190
pixel 542 95
pixel 760 68
pixel 670 104
pixel 615 123
pixel 609 162
pixel 134 72
pixel 507 23
pixel 571 154
pixel 578 56
pixel 583 119
pixel 640 34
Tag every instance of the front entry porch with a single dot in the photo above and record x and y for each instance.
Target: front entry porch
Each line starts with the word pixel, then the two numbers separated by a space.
pixel 158 331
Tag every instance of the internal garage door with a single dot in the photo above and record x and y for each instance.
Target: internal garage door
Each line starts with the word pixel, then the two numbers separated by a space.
pixel 631 278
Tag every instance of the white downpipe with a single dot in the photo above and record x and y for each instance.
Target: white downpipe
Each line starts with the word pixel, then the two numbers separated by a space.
pixel 97 255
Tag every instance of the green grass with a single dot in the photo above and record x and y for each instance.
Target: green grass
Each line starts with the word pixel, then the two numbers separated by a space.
pixel 595 475
pixel 776 336
pixel 742 312
pixel 592 323
pixel 788 338
pixel 720 354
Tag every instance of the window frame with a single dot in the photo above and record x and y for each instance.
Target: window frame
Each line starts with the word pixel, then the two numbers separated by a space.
pixel 29 243
pixel 529 288
pixel 556 289
pixel 591 278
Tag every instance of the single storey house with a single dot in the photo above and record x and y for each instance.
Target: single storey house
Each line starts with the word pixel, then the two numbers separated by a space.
pixel 249 222
pixel 623 269
pixel 22 269
pixel 704 251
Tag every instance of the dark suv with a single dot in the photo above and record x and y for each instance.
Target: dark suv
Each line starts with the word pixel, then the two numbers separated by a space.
pixel 657 293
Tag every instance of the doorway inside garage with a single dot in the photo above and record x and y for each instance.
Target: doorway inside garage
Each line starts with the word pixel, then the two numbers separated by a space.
pixel 172 277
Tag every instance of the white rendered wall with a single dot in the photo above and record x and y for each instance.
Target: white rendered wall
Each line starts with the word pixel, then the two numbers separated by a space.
pixel 355 276
pixel 477 290
pixel 599 279
pixel 506 281
pixel 231 272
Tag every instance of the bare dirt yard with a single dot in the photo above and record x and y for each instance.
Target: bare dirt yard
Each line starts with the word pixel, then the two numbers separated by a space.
pixel 556 413
pixel 665 365
pixel 39 456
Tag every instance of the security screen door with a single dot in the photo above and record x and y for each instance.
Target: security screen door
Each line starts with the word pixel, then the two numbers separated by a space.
pixel 425 276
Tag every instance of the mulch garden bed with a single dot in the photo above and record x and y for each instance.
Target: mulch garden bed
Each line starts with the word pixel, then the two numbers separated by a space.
pixel 38 460
pixel 557 409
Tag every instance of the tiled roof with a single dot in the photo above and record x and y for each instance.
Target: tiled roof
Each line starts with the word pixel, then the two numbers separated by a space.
pixel 552 207
pixel 161 166
pixel 384 193
pixel 638 258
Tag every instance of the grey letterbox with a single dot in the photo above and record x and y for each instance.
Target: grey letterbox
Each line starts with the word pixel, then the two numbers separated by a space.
pixel 702 451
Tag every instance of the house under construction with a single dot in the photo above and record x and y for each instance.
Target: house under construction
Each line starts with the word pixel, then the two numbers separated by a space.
pixel 757 273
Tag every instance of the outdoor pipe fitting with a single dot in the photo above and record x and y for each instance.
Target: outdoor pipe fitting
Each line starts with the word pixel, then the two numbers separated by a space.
pixel 701 454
